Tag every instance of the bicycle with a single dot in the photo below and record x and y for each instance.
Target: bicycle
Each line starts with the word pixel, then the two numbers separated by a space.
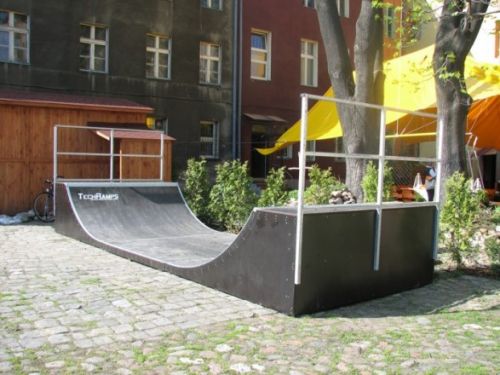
pixel 43 204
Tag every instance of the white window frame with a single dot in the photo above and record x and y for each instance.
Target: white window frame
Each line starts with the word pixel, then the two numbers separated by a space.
pixel 205 78
pixel 213 140
pixel 311 147
pixel 209 4
pixel 287 153
pixel 308 62
pixel 343 8
pixel 93 42
pixel 389 22
pixel 157 51
pixel 12 31
pixel 267 51
pixel 310 3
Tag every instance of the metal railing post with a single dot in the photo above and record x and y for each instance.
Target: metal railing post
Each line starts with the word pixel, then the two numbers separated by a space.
pixel 300 198
pixel 162 137
pixel 380 191
pixel 437 185
pixel 111 154
pixel 54 170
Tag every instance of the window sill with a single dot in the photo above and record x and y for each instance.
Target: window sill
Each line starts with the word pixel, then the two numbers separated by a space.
pixel 210 84
pixel 159 79
pixel 260 79
pixel 92 71
pixel 15 62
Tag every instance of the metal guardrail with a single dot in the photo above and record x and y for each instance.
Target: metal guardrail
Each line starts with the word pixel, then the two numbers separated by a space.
pixel 381 157
pixel 111 154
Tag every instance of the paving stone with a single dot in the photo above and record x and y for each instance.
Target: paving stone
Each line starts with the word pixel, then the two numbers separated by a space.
pixel 90 304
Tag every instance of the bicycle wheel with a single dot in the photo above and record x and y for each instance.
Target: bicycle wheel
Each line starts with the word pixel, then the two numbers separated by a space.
pixel 43 206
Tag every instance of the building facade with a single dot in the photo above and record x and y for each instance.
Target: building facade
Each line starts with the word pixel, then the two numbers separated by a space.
pixel 175 56
pixel 282 56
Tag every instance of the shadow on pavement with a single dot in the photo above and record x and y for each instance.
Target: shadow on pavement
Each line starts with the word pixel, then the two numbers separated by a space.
pixel 444 295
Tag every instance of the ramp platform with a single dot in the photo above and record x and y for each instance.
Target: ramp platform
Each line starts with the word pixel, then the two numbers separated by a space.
pixel 150 223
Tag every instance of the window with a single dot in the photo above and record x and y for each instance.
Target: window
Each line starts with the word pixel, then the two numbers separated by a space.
pixel 389 22
pixel 287 152
pixel 93 48
pixel 261 55
pixel 343 7
pixel 311 146
pixel 338 147
pixel 309 63
pixel 209 139
pixel 210 63
pixel 212 4
pixel 309 3
pixel 14 37
pixel 157 56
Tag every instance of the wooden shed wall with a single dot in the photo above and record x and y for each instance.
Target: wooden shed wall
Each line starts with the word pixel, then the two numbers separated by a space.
pixel 26 149
pixel 145 168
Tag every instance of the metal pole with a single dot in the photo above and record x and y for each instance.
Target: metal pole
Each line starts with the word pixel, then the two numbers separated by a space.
pixel 54 170
pixel 300 199
pixel 437 186
pixel 111 154
pixel 162 136
pixel 380 191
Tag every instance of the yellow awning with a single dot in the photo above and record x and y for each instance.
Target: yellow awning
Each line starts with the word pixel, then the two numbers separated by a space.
pixel 409 85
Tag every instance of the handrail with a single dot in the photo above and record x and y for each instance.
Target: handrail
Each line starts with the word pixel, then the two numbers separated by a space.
pixel 381 157
pixel 111 154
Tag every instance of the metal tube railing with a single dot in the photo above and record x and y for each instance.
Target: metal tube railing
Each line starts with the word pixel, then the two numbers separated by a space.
pixel 111 154
pixel 381 157
pixel 300 198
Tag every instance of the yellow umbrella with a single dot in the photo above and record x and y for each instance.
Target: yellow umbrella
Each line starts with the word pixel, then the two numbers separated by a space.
pixel 409 85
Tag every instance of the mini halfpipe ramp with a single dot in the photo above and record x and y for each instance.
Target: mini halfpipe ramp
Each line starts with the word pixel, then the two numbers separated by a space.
pixel 150 223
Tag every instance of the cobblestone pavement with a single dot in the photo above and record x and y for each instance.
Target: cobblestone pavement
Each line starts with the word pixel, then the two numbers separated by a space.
pixel 66 307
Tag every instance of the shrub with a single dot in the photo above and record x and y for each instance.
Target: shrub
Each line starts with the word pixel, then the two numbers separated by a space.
pixel 369 183
pixel 231 198
pixel 322 183
pixel 492 247
pixel 197 187
pixel 460 212
pixel 495 217
pixel 275 193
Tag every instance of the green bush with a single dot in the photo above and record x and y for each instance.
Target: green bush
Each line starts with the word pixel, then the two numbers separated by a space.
pixel 231 198
pixel 495 217
pixel 275 193
pixel 492 247
pixel 459 215
pixel 197 187
pixel 321 185
pixel 370 182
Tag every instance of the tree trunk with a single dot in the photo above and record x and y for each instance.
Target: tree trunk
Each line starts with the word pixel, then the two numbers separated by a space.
pixel 458 27
pixel 360 134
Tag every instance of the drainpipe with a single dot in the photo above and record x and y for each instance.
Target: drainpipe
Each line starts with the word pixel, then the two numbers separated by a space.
pixel 236 94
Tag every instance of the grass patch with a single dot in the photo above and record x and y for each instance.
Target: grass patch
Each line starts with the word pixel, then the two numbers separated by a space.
pixel 475 370
pixel 91 281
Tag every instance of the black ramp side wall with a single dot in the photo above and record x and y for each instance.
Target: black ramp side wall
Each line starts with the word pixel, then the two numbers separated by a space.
pixel 258 266
pixel 338 256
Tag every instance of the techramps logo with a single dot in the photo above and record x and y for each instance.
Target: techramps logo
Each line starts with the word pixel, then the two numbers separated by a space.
pixel 98 197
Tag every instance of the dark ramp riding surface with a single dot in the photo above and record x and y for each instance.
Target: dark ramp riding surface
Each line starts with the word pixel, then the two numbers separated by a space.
pixel 150 223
